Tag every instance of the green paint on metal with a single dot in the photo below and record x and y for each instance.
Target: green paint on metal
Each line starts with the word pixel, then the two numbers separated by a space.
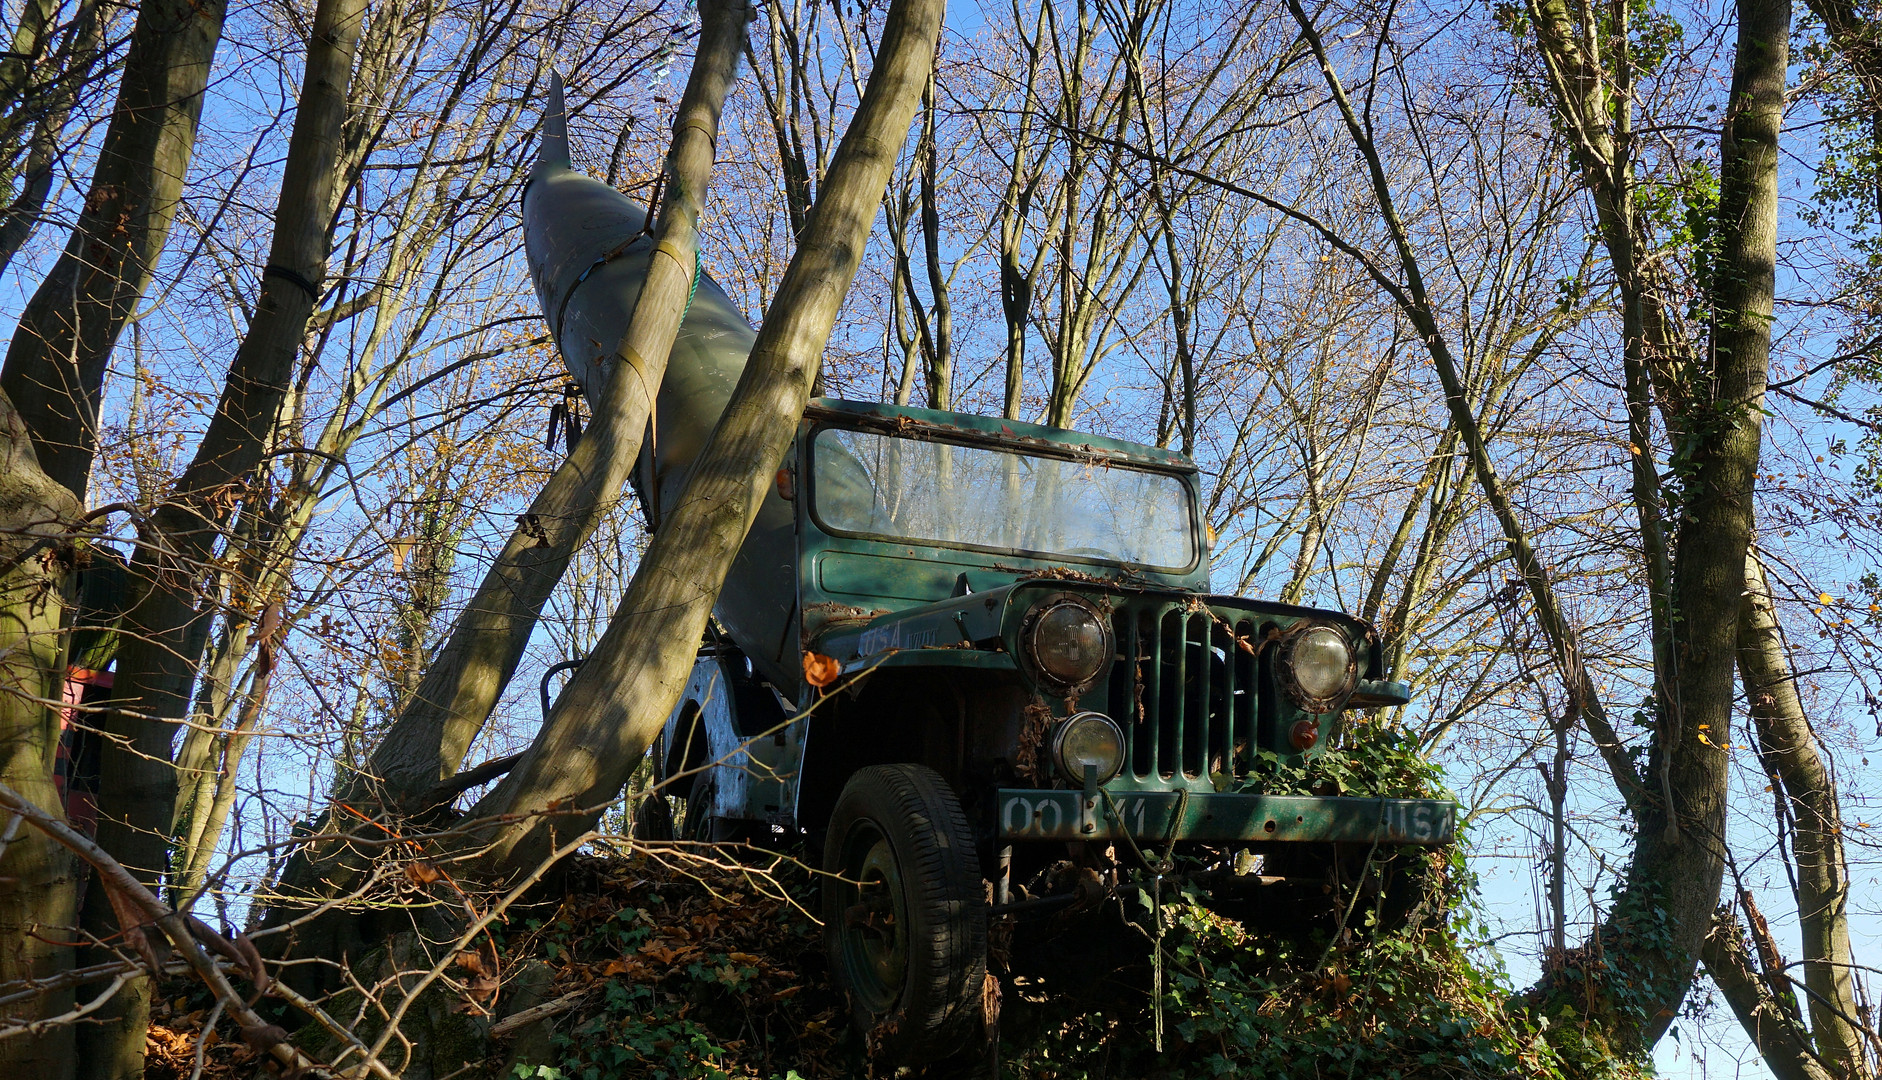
pixel 916 423
pixel 1153 816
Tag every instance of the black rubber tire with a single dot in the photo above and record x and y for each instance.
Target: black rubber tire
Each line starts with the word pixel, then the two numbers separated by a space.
pixel 697 824
pixel 936 921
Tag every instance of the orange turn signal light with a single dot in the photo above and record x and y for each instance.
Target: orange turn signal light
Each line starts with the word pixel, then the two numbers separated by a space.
pixel 1304 734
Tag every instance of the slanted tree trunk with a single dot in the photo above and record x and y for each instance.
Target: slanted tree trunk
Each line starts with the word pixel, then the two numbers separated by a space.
pixel 38 879
pixel 39 85
pixel 428 740
pixel 613 707
pixel 55 364
pixel 451 705
pixel 162 643
pixel 1793 759
pixel 1653 933
pixel 1415 302
pixel 1769 1019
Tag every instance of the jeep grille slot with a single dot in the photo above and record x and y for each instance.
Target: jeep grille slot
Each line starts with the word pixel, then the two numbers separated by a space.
pixel 1186 691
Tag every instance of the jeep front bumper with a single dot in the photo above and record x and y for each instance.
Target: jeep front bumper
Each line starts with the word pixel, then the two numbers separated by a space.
pixel 1155 816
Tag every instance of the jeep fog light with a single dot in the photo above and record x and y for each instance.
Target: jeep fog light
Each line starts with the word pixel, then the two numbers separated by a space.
pixel 1088 741
pixel 1068 642
pixel 1317 668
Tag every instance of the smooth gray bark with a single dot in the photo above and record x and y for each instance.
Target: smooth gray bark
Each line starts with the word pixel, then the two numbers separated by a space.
pixel 1794 760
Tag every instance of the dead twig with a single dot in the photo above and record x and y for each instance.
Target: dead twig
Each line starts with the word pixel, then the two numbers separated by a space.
pixel 530 1015
pixel 130 900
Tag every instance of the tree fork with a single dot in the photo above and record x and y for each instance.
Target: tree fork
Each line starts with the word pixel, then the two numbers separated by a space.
pixel 427 742
pixel 1714 531
pixel 611 709
pixel 55 364
pixel 158 660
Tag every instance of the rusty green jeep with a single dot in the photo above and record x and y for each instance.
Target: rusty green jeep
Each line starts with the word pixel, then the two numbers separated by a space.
pixel 975 664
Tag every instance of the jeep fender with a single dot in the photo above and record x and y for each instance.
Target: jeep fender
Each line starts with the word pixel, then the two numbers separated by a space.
pixel 700 740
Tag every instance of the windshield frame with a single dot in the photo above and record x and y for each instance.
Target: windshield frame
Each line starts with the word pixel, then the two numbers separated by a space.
pixel 1033 448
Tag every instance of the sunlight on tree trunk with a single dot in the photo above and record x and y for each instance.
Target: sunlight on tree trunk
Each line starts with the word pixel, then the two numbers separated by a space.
pixel 1794 761
pixel 611 709
pixel 432 733
pixel 1678 860
pixel 38 878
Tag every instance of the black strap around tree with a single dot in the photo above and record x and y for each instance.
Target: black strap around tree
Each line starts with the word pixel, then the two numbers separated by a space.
pixel 294 278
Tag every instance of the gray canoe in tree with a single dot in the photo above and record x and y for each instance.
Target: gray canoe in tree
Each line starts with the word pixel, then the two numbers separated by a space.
pixel 588 248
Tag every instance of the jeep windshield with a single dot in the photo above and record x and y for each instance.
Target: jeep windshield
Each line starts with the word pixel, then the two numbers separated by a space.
pixel 881 486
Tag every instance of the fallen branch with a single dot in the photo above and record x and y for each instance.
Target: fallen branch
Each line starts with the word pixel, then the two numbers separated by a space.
pixel 25 989
pixel 536 1012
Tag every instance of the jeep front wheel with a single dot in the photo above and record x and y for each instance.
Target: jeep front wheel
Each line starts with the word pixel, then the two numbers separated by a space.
pixel 904 911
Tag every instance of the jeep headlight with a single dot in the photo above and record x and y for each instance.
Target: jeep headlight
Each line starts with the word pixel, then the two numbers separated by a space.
pixel 1317 667
pixel 1088 741
pixel 1067 641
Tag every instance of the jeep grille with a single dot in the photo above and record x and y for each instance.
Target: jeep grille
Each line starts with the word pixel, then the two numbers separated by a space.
pixel 1193 699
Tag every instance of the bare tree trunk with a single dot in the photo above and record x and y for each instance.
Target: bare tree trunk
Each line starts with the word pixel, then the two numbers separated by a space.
pixel 1673 882
pixel 1773 1028
pixel 162 638
pixel 451 705
pixel 38 878
pixel 45 103
pixel 784 97
pixel 1679 854
pixel 941 362
pixel 612 708
pixel 1019 281
pixel 1792 757
pixel 55 365
pixel 1413 300
pixel 433 732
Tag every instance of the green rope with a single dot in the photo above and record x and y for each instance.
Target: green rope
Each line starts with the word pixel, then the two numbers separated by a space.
pixel 699 270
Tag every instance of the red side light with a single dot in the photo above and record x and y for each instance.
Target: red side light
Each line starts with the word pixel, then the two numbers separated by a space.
pixel 1304 735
